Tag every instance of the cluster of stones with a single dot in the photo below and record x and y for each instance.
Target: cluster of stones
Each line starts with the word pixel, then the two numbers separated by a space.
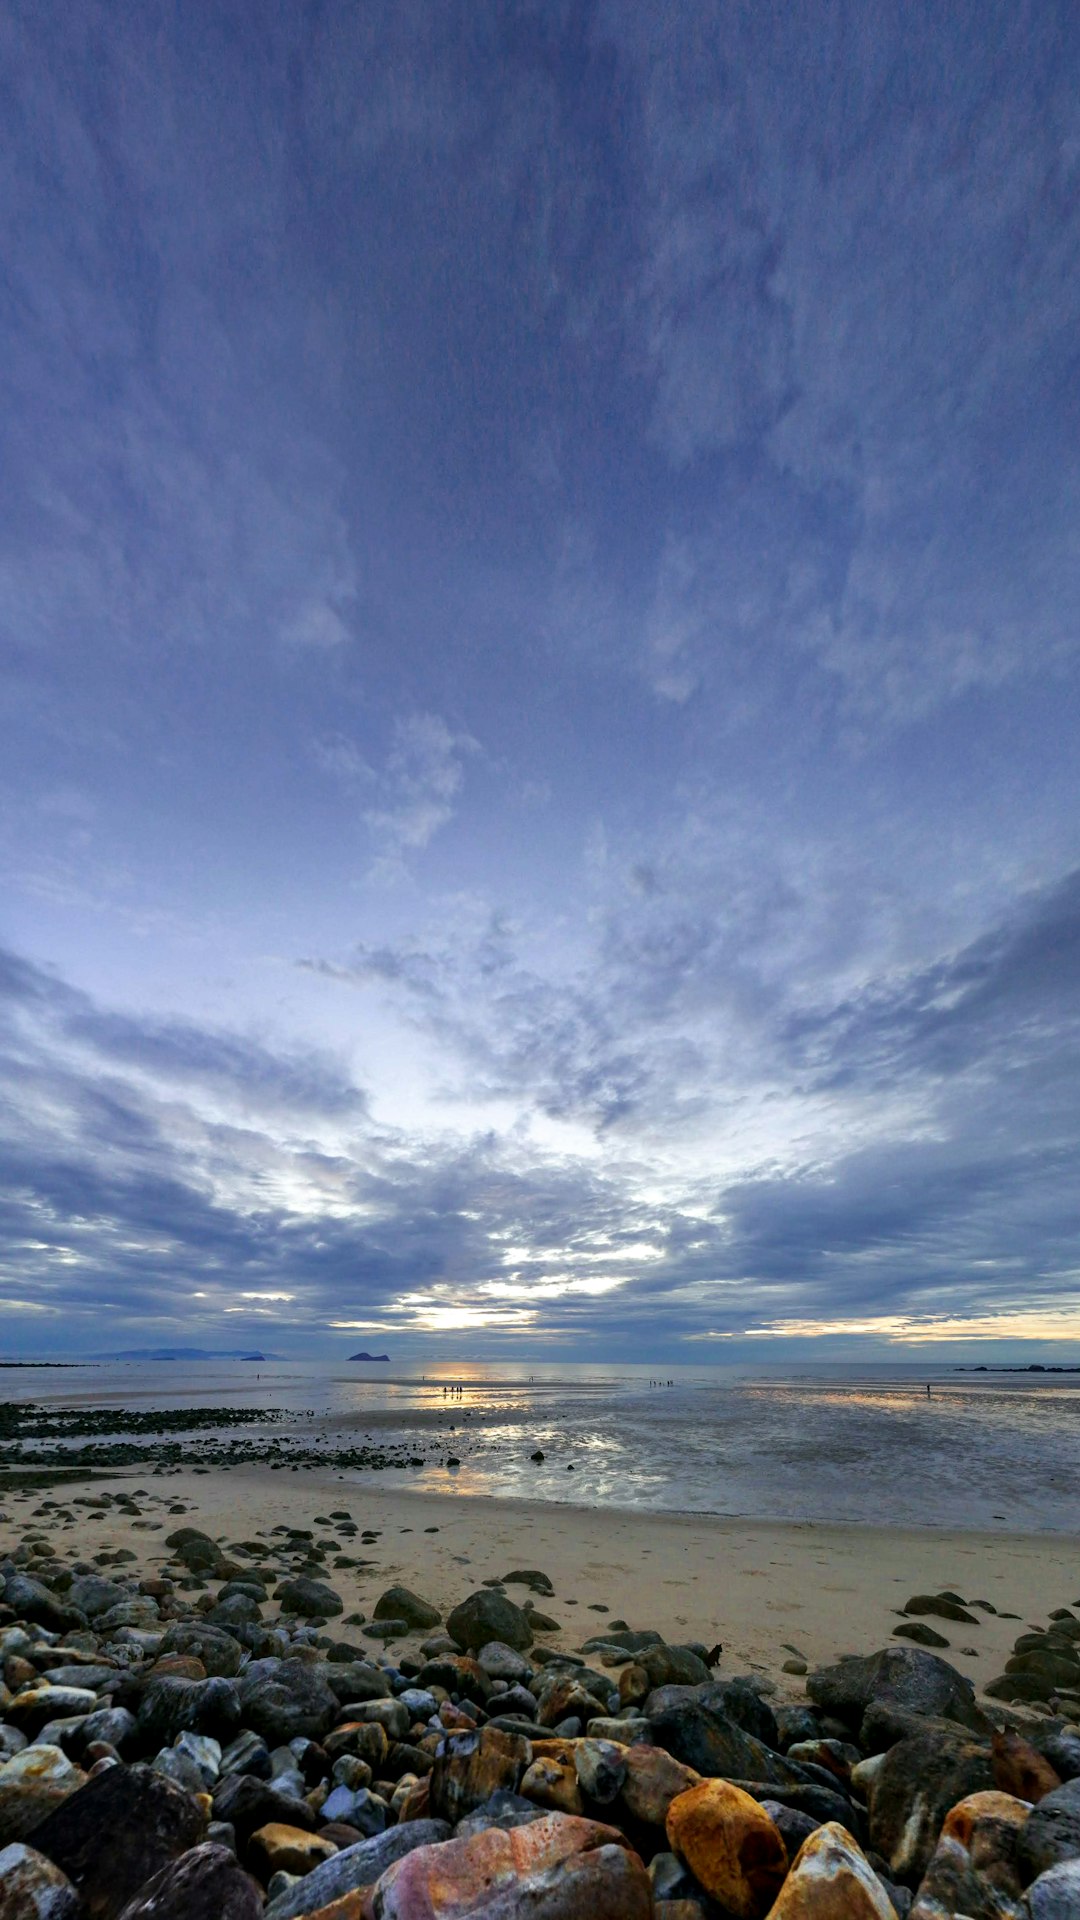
pixel 199 1745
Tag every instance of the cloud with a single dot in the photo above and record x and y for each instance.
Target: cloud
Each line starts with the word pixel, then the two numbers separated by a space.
pixel 418 786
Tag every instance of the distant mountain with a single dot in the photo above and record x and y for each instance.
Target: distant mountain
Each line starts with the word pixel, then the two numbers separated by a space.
pixel 186 1353
pixel 369 1356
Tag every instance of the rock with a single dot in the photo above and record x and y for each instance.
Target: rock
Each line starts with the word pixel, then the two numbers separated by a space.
pixel 121 1828
pixel 281 1699
pixel 530 1577
pixel 392 1714
pixel 456 1673
pixel 170 1706
pixel 553 1783
pixel 204 1884
pixel 363 1739
pixel 359 1866
pixel 357 1680
pixel 1055 1895
pixel 922 1635
pixel 942 1607
pixel 34 1707
pixel 311 1599
pixel 601 1768
pixel 31 1888
pixel 831 1879
pixel 501 1662
pixel 247 1804
pixel 279 1848
pixel 951 1886
pixel 94 1595
pixel 912 1790
pixel 730 1845
pixel 504 1810
pixel 736 1699
pixel 32 1784
pixel 705 1739
pixel 1051 1834
pixel 1020 1769
pixel 398 1603
pixel 488 1615
pixel 564 1697
pixel 556 1868
pixel 905 1677
pixel 654 1778
pixel 30 1599
pixel 219 1652
pixel 355 1807
pixel 470 1767
pixel 246 1754
pixel 792 1824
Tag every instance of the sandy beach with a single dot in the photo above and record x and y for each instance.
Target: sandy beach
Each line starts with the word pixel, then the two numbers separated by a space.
pixel 763 1589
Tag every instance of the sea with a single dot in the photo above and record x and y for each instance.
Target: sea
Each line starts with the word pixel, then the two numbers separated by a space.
pixel 989 1451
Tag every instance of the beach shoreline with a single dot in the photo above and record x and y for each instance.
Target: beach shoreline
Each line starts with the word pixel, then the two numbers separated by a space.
pixel 769 1591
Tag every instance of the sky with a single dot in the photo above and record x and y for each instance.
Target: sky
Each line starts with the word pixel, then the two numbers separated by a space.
pixel 540 678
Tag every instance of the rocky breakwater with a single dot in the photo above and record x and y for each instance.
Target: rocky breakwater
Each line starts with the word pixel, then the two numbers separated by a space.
pixel 204 1745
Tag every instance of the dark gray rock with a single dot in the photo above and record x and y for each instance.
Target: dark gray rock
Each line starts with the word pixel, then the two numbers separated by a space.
pixel 399 1603
pixel 204 1884
pixel 311 1599
pixel 704 1738
pixel 170 1705
pixel 357 1680
pixel 1055 1895
pixel 907 1677
pixel 917 1783
pixel 248 1804
pixel 281 1699
pixel 1051 1834
pixel 116 1832
pixel 94 1595
pixel 218 1651
pixel 488 1615
pixel 503 1810
pixel 31 1600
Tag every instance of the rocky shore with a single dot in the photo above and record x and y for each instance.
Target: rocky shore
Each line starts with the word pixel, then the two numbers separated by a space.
pixel 202 1731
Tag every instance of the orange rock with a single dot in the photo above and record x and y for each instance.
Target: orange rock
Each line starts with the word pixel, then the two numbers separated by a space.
pixel 730 1845
pixel 653 1780
pixel 964 1821
pixel 470 1767
pixel 1020 1769
pixel 182 1666
pixel 831 1879
pixel 634 1685
pixel 418 1804
pixel 556 1868
pixel 554 1784
pixel 277 1846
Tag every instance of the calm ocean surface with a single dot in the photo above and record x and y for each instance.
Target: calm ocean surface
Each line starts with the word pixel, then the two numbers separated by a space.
pixel 827 1443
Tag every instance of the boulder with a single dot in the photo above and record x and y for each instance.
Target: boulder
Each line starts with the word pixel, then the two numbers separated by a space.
pixel 906 1677
pixel 284 1699
pixel 355 1867
pixel 1055 1895
pixel 704 1738
pixel 1020 1769
pixel 730 1845
pixel 116 1832
pixel 952 1886
pixel 912 1790
pixel 31 1888
pixel 1050 1835
pixel 831 1879
pixel 169 1706
pixel 489 1615
pixel 94 1595
pixel 470 1767
pixel 32 1784
pixel 601 1768
pixel 206 1883
pixel 399 1603
pixel 356 1680
pixel 31 1599
pixel 653 1779
pixel 942 1607
pixel 247 1804
pixel 556 1868
pixel 552 1783
pixel 219 1652
pixel 311 1599
pixel 501 1662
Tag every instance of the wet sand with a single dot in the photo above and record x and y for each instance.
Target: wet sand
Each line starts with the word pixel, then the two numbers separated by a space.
pixel 762 1588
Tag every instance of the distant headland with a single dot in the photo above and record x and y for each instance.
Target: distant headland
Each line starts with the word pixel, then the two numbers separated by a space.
pixel 369 1356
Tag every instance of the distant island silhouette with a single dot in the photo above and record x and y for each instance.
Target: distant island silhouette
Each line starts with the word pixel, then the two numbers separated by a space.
pixel 369 1356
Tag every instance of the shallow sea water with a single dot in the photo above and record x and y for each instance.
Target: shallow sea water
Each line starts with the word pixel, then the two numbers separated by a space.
pixel 984 1451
